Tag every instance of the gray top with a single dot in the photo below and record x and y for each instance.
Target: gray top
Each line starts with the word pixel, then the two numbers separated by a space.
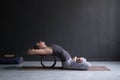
pixel 58 51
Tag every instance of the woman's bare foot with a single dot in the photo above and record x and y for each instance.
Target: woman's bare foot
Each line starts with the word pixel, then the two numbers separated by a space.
pixel 79 60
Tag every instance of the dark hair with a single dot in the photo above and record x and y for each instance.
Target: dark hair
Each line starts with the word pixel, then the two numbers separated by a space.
pixel 35 47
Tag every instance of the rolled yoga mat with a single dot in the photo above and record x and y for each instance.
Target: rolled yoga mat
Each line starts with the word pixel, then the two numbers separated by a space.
pixel 11 60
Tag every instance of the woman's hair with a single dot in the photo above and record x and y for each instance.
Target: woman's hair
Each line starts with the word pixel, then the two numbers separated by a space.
pixel 35 47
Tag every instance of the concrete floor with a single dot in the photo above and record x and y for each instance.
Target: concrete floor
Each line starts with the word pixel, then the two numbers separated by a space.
pixel 12 72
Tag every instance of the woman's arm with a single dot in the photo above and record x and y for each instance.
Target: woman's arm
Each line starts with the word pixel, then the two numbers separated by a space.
pixel 40 51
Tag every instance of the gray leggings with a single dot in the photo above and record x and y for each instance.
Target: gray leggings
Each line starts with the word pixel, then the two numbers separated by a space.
pixel 70 64
pixel 67 62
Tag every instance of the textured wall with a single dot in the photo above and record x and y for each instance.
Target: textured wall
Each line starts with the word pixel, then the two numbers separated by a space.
pixel 88 28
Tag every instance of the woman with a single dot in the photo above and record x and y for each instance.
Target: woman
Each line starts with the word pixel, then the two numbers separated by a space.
pixel 67 62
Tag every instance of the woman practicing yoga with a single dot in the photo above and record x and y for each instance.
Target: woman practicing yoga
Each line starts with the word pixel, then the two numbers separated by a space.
pixel 41 48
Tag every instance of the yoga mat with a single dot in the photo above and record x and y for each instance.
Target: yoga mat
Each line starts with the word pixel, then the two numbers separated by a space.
pixel 93 68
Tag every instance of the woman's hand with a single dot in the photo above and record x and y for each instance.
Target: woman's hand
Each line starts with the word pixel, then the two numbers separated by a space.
pixel 31 51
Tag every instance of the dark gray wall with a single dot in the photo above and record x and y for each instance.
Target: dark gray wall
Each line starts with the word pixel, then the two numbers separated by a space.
pixel 88 28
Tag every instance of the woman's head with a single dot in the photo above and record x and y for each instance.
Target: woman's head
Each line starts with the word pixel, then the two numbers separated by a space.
pixel 40 45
